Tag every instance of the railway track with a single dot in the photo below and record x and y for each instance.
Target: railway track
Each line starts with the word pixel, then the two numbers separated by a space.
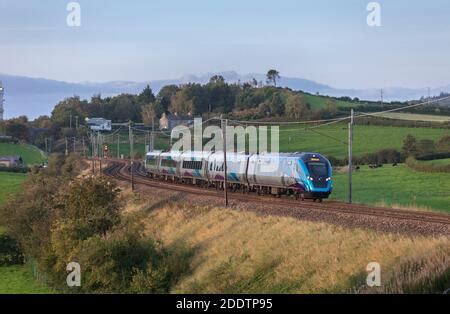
pixel 121 170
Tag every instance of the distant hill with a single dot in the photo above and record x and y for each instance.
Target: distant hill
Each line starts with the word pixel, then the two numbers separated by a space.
pixel 37 96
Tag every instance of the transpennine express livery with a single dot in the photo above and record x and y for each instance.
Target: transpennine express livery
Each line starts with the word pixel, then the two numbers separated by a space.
pixel 303 175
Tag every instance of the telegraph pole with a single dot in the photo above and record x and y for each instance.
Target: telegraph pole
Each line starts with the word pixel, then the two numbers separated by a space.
pixel 350 156
pixel 130 134
pixel 74 144
pixel 118 145
pixel 84 148
pixel 225 181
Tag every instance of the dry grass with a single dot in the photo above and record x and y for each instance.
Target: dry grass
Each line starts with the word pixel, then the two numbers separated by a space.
pixel 241 252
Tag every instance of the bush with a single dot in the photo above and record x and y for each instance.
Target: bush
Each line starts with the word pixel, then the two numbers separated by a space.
pixel 14 169
pixel 10 253
pixel 425 167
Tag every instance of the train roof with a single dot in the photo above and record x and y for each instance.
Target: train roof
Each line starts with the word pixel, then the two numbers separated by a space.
pixel 203 154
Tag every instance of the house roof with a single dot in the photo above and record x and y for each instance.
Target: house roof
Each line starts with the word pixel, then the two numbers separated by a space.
pixel 10 158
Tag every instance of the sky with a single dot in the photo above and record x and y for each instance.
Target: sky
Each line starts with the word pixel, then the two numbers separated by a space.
pixel 326 41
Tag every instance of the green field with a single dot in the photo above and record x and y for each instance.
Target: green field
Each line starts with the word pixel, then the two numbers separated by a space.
pixel 161 142
pixel 366 138
pixel 10 184
pixel 19 279
pixel 30 154
pixel 320 102
pixel 396 186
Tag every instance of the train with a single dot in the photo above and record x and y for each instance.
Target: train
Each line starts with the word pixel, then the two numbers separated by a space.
pixel 302 175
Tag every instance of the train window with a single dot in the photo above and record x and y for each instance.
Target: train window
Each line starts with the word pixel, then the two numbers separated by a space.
pixel 195 165
pixel 317 169
pixel 168 163
pixel 151 161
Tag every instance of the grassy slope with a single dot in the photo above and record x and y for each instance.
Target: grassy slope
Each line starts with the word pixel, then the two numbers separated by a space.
pixel 396 186
pixel 320 102
pixel 239 251
pixel 366 138
pixel 30 154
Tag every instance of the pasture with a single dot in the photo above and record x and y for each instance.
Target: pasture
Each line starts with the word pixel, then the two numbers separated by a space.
pixel 396 186
pixel 330 140
pixel 31 155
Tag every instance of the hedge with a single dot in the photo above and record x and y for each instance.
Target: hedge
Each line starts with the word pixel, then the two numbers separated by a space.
pixel 425 167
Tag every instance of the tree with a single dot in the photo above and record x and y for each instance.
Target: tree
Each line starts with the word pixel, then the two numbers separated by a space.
pixel 410 146
pixel 295 106
pixel 443 145
pixel 216 79
pixel 146 96
pixel 331 107
pixel 67 109
pixel 426 147
pixel 276 104
pixel 163 100
pixel 17 130
pixel 273 76
pixel 148 114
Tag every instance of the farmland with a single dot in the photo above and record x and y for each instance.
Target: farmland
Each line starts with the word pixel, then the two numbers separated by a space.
pixel 30 154
pixel 396 186
pixel 366 138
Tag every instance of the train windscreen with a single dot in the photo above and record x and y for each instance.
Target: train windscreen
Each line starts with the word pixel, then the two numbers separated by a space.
pixel 317 169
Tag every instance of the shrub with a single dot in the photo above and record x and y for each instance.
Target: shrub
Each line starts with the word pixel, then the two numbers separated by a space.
pixel 425 167
pixel 10 253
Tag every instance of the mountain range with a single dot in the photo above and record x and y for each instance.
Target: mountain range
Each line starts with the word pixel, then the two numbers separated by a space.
pixel 37 96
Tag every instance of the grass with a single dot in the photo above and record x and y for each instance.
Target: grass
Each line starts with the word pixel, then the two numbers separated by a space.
pixel 242 252
pixel 320 102
pixel 10 184
pixel 31 155
pixel 18 279
pixel 161 142
pixel 366 139
pixel 393 186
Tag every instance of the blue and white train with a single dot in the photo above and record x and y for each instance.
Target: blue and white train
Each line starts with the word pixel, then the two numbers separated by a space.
pixel 304 175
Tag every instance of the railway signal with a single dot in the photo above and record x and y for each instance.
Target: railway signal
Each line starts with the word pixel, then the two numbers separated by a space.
pixel 105 150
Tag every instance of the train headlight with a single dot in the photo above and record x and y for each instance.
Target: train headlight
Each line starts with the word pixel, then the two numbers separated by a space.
pixel 328 179
pixel 310 178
